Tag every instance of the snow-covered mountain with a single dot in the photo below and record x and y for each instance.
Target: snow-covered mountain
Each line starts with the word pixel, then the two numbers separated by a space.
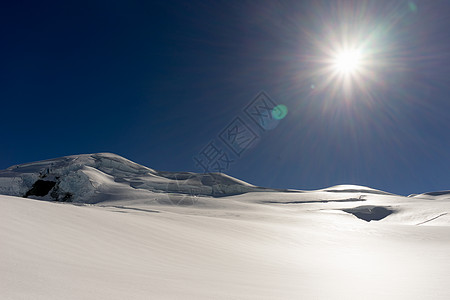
pixel 113 229
pixel 105 178
pixel 91 178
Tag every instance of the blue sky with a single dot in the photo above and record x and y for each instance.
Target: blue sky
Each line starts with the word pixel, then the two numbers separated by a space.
pixel 157 81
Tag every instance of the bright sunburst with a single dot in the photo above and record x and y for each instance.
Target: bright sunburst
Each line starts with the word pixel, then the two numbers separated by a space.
pixel 345 67
pixel 348 53
pixel 347 62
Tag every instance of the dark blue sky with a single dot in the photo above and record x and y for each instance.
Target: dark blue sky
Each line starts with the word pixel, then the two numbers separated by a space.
pixel 156 81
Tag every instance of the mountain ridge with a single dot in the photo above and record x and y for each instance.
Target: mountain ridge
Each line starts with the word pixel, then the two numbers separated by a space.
pixel 97 177
pixel 80 178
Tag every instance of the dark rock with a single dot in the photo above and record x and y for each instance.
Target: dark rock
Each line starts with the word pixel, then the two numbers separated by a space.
pixel 40 188
pixel 369 212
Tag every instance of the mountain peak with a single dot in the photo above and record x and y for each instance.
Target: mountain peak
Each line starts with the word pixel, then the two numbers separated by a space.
pixel 90 178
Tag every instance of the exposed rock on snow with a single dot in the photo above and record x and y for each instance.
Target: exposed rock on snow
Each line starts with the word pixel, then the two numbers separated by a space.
pixel 40 188
pixel 369 212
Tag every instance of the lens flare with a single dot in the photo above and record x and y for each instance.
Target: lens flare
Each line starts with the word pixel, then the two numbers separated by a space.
pixel 279 112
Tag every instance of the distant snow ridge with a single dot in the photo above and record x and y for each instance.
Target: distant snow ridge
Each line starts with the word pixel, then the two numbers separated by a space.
pixel 90 178
pixel 350 188
pixel 437 195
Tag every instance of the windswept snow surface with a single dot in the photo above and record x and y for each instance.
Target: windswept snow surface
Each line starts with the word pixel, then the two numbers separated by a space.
pixel 131 232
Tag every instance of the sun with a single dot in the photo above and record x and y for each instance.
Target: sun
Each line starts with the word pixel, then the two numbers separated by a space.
pixel 348 55
pixel 345 68
pixel 347 61
pixel 344 63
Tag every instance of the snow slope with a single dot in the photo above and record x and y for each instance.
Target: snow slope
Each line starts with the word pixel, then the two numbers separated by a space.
pixel 131 232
